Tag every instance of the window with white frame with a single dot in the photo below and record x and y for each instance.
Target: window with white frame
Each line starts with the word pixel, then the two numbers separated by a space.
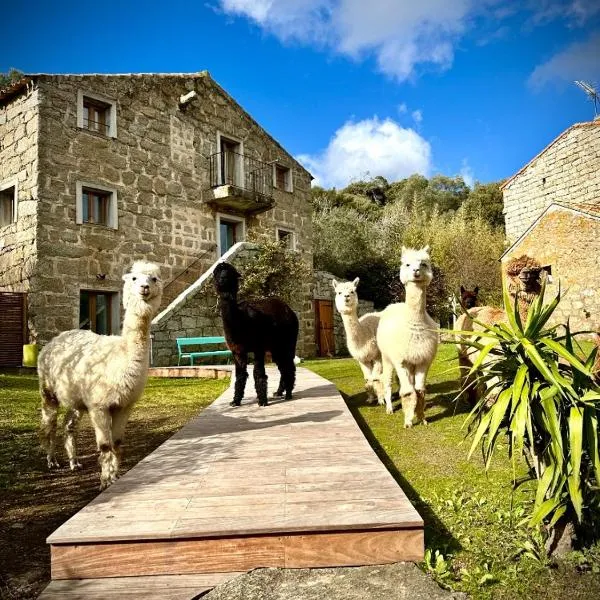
pixel 96 205
pixel 97 114
pixel 8 203
pixel 287 237
pixel 230 231
pixel 282 178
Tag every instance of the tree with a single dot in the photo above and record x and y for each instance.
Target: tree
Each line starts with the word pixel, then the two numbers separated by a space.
pixel 8 78
pixel 485 201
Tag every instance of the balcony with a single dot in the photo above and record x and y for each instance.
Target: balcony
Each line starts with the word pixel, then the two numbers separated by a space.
pixel 240 183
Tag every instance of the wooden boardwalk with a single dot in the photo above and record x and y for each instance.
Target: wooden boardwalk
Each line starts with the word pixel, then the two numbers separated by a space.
pixel 294 484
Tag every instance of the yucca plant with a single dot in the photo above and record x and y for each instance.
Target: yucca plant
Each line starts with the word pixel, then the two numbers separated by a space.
pixel 543 397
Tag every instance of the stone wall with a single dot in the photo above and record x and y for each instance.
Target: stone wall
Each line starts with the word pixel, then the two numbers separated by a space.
pixel 323 290
pixel 158 165
pixel 568 172
pixel 569 243
pixel 19 123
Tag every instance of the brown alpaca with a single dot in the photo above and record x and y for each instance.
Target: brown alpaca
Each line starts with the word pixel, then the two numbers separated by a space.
pixel 468 298
pixel 523 275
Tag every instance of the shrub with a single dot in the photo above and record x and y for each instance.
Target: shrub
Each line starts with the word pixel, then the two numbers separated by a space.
pixel 545 399
pixel 274 271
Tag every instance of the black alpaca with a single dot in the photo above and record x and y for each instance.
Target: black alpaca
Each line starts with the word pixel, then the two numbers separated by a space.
pixel 259 326
pixel 468 298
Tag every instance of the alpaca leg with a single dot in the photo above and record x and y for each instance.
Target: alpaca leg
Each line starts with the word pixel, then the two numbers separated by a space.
pixel 241 375
pixel 101 421
pixel 48 426
pixel 408 394
pixel 71 421
pixel 386 377
pixel 368 375
pixel 119 421
pixel 281 387
pixel 289 376
pixel 420 378
pixel 260 378
pixel 377 381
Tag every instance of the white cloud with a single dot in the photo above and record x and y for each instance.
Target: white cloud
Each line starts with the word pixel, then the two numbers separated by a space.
pixel 402 108
pixel 400 35
pixel 373 146
pixel 417 116
pixel 467 173
pixel 578 61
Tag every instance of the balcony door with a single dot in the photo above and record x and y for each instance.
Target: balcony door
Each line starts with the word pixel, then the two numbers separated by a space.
pixel 231 162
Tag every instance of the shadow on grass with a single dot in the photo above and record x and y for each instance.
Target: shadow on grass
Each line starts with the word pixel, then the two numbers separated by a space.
pixel 436 533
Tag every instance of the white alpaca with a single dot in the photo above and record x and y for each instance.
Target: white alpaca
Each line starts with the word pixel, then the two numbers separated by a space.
pixel 408 337
pixel 103 375
pixel 360 336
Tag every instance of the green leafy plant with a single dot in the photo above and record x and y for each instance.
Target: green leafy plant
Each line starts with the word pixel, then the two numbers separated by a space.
pixel 543 397
pixel 438 566
pixel 273 271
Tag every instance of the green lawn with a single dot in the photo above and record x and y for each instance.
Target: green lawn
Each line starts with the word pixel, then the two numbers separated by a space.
pixel 474 542
pixel 34 502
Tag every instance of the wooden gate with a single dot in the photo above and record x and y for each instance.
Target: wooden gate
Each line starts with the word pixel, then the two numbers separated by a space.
pixel 13 323
pixel 324 334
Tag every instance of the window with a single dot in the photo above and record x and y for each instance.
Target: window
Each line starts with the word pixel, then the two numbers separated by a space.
pixel 97 311
pixel 8 204
pixel 282 178
pixel 230 231
pixel 287 237
pixel 96 205
pixel 230 161
pixel 97 114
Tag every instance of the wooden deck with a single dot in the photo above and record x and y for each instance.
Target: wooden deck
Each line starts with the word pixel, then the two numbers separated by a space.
pixel 294 484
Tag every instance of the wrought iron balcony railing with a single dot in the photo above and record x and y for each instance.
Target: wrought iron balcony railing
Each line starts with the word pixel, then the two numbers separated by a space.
pixel 241 171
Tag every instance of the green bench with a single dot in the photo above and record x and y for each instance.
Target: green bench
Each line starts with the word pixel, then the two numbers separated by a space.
pixel 189 348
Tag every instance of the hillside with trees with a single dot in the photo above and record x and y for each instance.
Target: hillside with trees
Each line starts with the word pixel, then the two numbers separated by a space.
pixel 359 231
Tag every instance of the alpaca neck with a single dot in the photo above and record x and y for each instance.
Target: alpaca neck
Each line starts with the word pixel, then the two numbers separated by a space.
pixel 351 325
pixel 136 329
pixel 230 311
pixel 416 295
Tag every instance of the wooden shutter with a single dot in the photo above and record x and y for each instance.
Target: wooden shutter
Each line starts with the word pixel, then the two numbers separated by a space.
pixel 12 328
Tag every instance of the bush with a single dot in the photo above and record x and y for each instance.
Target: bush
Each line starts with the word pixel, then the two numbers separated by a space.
pixel 274 271
pixel 546 401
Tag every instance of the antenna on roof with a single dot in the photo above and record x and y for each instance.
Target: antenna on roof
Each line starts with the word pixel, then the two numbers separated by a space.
pixel 591 93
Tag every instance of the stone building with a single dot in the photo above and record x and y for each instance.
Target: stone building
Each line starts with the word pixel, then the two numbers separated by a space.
pixel 552 213
pixel 97 171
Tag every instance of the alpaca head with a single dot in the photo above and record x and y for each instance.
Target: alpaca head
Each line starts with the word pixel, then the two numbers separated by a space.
pixel 468 297
pixel 346 299
pixel 524 277
pixel 226 279
pixel 416 266
pixel 143 288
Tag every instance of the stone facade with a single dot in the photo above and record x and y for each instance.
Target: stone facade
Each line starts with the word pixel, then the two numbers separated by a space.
pixel 19 126
pixel 567 172
pixel 156 163
pixel 323 290
pixel 568 241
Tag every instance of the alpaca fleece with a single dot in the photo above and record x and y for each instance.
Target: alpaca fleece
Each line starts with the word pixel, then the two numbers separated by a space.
pixel 103 375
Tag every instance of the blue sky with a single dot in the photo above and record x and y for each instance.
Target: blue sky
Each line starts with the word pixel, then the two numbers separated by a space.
pixel 353 88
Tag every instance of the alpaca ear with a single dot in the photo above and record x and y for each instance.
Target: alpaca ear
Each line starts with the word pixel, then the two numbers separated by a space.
pixel 355 282
pixel 334 283
pixel 404 249
pixel 426 249
pixel 462 289
pixel 476 290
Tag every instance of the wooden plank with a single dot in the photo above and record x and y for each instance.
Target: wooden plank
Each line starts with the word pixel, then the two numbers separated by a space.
pixel 353 549
pixel 173 557
pixel 88 561
pixel 156 587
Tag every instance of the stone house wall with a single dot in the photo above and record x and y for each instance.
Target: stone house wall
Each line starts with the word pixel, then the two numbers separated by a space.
pixel 567 172
pixel 568 241
pixel 19 125
pixel 323 290
pixel 158 166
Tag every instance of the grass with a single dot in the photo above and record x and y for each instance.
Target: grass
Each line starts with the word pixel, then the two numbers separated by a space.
pixel 473 537
pixel 34 502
